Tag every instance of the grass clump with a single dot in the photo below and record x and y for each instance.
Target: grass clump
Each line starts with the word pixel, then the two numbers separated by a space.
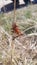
pixel 28 14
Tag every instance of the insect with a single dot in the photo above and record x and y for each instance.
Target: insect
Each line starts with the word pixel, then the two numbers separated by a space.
pixel 17 32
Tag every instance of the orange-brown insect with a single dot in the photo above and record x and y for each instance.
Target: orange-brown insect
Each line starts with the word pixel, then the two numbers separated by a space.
pixel 16 29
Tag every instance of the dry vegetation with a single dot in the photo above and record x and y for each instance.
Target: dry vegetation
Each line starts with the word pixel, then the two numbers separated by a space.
pixel 23 50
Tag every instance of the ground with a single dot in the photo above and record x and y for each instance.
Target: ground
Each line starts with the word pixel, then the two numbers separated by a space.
pixel 27 22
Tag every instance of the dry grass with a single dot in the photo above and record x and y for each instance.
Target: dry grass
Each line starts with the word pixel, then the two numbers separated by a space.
pixel 27 22
pixel 26 17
